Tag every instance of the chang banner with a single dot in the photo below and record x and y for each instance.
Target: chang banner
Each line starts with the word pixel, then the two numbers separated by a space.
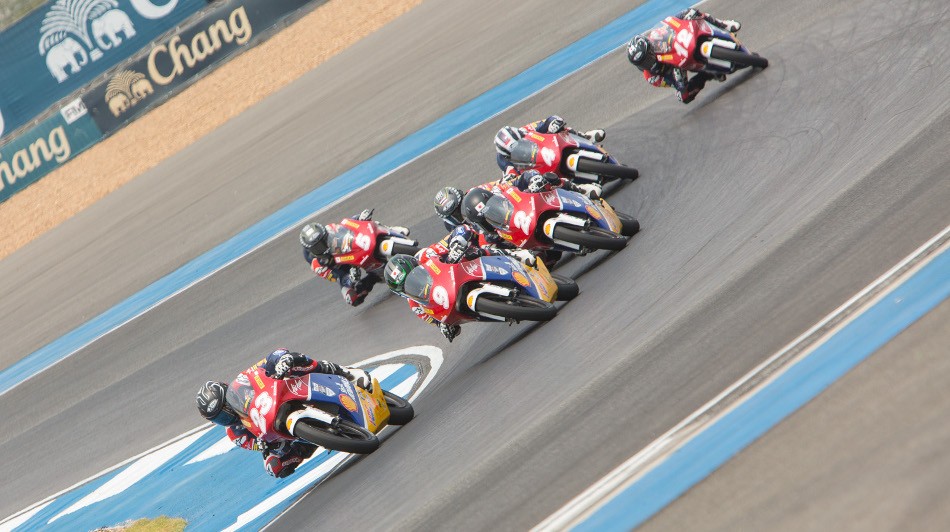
pixel 62 46
pixel 173 62
pixel 44 148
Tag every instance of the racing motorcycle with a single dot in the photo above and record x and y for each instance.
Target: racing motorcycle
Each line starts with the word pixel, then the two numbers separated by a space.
pixel 557 219
pixel 568 155
pixel 698 46
pixel 491 288
pixel 366 244
pixel 325 410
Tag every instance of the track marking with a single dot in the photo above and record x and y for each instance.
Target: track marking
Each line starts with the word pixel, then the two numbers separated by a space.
pixel 628 474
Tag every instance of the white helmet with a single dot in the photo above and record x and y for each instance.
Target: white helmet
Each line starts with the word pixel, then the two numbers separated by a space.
pixel 506 138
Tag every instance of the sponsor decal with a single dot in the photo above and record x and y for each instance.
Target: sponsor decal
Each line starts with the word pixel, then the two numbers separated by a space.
pixel 257 379
pixel 54 148
pixel 321 389
pixel 75 32
pixel 72 111
pixel 473 268
pixel 126 89
pixel 550 198
pixel 295 386
pixel 521 279
pixel 496 269
pixel 347 387
pixel 351 223
pixel 204 44
pixel 594 212
pixel 345 258
pixel 347 402
pixel 513 194
pixel 535 136
pixel 506 236
pixel 431 264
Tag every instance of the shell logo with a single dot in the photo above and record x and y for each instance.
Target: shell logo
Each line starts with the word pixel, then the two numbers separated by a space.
pixel 521 279
pixel 594 212
pixel 347 402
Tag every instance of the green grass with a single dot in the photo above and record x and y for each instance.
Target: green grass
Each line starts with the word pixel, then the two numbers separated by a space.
pixel 13 10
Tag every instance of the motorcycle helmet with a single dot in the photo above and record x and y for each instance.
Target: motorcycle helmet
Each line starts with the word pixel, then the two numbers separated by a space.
pixel 640 53
pixel 472 206
pixel 448 205
pixel 213 406
pixel 506 138
pixel 397 269
pixel 313 237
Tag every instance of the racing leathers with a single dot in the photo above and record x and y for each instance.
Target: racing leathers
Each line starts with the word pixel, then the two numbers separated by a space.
pixel 281 456
pixel 665 75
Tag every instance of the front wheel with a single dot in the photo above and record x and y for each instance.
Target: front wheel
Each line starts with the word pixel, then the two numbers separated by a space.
pixel 617 171
pixel 347 436
pixel 738 57
pixel 520 308
pixel 592 238
pixel 629 225
pixel 400 411
pixel 567 288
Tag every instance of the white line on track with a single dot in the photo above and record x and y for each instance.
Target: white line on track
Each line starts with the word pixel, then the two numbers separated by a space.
pixel 650 456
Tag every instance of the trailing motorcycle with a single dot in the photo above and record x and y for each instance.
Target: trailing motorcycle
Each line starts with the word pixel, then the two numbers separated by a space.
pixel 491 288
pixel 568 155
pixel 322 409
pixel 558 219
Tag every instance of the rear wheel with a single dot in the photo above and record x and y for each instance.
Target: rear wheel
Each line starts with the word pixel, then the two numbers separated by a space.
pixel 592 238
pixel 347 436
pixel 600 168
pixel 520 308
pixel 567 288
pixel 400 411
pixel 739 57
pixel 629 225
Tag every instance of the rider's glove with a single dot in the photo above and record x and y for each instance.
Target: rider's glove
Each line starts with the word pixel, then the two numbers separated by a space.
pixel 353 296
pixel 354 275
pixel 324 272
pixel 526 257
pixel 591 190
pixel 457 247
pixel 365 215
pixel 450 331
pixel 732 26
pixel 555 124
pixel 287 362
pixel 359 377
pixel 595 135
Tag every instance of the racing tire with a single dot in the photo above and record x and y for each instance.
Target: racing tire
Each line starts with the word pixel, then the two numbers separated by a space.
pixel 404 249
pixel 593 238
pixel 629 225
pixel 567 288
pixel 739 57
pixel 601 168
pixel 351 438
pixel 400 411
pixel 521 308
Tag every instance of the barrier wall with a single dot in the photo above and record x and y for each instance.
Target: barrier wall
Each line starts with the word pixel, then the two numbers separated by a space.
pixel 59 48
pixel 155 73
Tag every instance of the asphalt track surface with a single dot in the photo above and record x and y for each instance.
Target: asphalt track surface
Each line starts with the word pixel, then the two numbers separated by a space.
pixel 765 204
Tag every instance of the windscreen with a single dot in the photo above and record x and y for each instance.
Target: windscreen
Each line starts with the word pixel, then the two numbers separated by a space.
pixel 524 152
pixel 661 38
pixel 418 284
pixel 339 239
pixel 498 211
pixel 240 394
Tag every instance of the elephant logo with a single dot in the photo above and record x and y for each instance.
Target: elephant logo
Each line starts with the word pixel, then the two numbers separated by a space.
pixel 75 32
pixel 126 89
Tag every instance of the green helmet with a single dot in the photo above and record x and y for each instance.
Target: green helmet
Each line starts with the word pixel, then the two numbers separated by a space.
pixel 397 269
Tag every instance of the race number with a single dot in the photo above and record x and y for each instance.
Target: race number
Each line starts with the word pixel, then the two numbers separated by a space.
pixel 440 296
pixel 547 154
pixel 523 222
pixel 683 39
pixel 262 405
pixel 363 241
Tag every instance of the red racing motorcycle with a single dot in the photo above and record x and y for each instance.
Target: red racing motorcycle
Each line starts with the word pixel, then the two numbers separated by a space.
pixel 557 219
pixel 568 155
pixel 366 244
pixel 698 46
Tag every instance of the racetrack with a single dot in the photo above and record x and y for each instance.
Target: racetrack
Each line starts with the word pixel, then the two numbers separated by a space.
pixel 765 204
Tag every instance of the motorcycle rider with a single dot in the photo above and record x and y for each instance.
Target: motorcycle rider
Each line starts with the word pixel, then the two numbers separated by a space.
pixel 226 405
pixel 354 284
pixel 508 135
pixel 641 52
